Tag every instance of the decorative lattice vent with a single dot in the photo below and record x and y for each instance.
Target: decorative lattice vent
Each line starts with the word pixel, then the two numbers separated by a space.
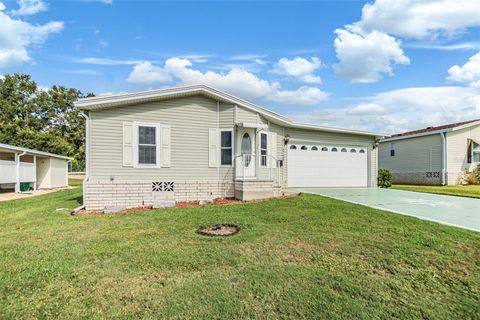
pixel 163 186
pixel 435 174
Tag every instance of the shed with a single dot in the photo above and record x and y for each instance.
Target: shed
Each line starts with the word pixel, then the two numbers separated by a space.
pixel 23 169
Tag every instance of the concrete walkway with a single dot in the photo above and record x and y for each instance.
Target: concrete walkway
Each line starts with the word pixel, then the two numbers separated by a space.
pixel 7 196
pixel 455 211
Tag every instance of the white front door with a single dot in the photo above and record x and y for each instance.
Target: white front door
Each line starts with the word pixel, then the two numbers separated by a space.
pixel 246 162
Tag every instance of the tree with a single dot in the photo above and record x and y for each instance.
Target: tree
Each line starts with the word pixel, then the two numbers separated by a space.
pixel 42 119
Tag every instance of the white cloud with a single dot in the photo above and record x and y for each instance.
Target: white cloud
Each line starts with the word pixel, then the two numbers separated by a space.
pixel 468 73
pixel 303 95
pixel 444 47
pixel 299 68
pixel 420 19
pixel 83 72
pixel 404 109
pixel 17 36
pixel 146 72
pixel 29 7
pixel 108 61
pixel 364 58
pixel 237 81
pixel 363 109
pixel 374 34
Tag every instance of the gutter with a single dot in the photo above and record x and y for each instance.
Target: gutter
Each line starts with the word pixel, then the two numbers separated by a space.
pixel 444 158
pixel 87 169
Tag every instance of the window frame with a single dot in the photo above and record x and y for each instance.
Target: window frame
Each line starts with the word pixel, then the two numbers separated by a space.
pixel 263 156
pixel 220 148
pixel 475 151
pixel 393 152
pixel 136 145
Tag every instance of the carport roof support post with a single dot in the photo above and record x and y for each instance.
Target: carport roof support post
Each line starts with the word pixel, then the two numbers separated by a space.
pixel 17 171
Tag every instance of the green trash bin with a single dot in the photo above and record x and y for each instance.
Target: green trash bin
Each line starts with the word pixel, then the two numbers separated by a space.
pixel 24 186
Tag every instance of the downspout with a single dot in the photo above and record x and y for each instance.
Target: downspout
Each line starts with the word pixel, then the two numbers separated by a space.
pixel 219 138
pixel 17 185
pixel 444 158
pixel 87 161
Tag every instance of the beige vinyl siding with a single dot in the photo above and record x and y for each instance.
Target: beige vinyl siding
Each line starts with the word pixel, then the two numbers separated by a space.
pixel 457 152
pixel 189 118
pixel 245 115
pixel 414 155
pixel 299 136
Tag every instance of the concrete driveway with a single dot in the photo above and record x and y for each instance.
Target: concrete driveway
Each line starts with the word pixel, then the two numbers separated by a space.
pixel 450 210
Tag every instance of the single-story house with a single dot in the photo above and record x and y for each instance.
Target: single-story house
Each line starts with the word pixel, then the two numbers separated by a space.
pixel 434 155
pixel 198 143
pixel 31 169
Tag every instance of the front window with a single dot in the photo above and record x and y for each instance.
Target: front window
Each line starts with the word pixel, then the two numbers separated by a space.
pixel 226 148
pixel 147 145
pixel 263 149
pixel 475 152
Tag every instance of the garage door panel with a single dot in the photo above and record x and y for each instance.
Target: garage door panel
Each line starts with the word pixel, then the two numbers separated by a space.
pixel 310 168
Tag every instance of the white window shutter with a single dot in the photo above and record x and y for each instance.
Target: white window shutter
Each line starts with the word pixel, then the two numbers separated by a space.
pixel 165 146
pixel 127 144
pixel 213 147
pixel 272 149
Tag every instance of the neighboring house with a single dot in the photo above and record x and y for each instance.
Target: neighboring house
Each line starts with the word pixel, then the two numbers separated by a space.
pixel 34 169
pixel 198 143
pixel 432 156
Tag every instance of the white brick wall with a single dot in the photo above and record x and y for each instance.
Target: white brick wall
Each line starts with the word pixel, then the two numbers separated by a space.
pixel 131 194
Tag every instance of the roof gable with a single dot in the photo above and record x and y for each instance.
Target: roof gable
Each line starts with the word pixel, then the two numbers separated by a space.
pixel 118 100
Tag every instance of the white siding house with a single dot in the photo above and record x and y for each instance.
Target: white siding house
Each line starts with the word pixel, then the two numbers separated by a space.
pixel 432 156
pixel 41 170
pixel 198 143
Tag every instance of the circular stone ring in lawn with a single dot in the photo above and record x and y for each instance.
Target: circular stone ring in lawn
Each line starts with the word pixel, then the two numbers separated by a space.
pixel 219 230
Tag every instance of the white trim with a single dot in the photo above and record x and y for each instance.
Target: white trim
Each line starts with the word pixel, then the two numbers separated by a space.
pixel 155 125
pixel 474 151
pixel 111 101
pixel 32 151
pixel 220 130
pixel 422 134
pixel 253 125
pixel 260 149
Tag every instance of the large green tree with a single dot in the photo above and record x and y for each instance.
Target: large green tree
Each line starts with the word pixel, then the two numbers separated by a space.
pixel 42 119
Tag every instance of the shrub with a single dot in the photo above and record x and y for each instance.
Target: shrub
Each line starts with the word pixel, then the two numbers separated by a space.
pixel 384 178
pixel 476 173
pixel 472 177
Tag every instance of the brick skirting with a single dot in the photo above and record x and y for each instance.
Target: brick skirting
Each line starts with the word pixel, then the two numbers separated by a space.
pixel 419 178
pixel 131 194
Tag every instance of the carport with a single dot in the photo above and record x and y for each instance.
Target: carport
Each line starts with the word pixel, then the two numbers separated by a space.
pixel 23 169
pixel 455 211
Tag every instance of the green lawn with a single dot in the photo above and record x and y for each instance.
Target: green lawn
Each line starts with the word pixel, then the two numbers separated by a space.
pixel 305 257
pixel 471 191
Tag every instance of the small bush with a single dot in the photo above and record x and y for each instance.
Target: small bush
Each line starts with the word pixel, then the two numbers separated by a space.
pixel 472 177
pixel 384 178
pixel 476 173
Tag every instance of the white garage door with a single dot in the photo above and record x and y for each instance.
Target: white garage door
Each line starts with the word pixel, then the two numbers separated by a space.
pixel 327 166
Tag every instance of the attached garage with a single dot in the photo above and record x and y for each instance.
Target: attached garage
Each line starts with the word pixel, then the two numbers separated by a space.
pixel 327 166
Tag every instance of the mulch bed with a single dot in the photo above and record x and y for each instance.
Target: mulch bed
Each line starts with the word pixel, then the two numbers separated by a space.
pixel 219 230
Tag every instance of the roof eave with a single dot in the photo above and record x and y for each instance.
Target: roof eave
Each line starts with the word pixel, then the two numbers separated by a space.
pixel 97 103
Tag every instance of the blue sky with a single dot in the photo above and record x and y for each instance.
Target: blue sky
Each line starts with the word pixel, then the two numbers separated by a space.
pixel 381 65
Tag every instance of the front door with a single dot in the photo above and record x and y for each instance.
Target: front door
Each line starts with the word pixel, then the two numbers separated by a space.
pixel 246 160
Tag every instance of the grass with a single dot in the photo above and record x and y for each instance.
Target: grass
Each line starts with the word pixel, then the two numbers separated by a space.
pixel 470 191
pixel 305 257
